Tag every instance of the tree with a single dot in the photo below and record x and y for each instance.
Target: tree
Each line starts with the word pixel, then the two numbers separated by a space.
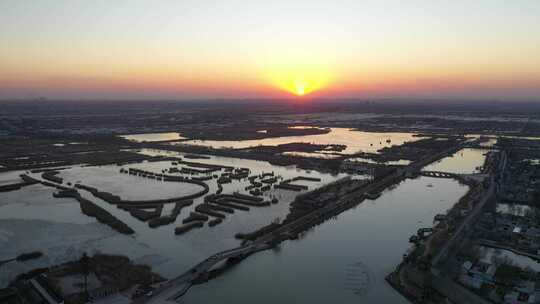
pixel 507 274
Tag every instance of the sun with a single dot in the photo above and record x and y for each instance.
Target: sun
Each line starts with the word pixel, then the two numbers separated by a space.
pixel 300 89
pixel 300 85
pixel 298 78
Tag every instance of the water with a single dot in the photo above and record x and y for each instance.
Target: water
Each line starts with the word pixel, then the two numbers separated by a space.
pixel 355 141
pixel 150 137
pixel 37 203
pixel 128 187
pixel 10 177
pixel 341 261
pixel 400 162
pixel 31 219
pixel 321 154
pixel 464 161
pixel 490 143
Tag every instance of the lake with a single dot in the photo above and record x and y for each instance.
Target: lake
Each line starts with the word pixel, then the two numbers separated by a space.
pixel 31 219
pixel 355 141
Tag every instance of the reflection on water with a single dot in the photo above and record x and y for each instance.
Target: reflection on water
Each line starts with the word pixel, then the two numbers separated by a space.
pixel 10 177
pixel 340 261
pixel 401 162
pixel 32 219
pixel 344 260
pixel 490 143
pixel 128 187
pixel 153 137
pixel 464 161
pixel 355 141
pixel 320 154
pixel 37 203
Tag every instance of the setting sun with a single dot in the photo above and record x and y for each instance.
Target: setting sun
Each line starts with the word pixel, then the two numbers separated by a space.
pixel 300 89
pixel 299 83
pixel 298 74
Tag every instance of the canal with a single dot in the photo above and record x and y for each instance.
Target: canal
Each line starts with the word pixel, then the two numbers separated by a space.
pixel 343 260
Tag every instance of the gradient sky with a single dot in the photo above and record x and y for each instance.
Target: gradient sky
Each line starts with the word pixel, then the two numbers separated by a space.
pixel 125 49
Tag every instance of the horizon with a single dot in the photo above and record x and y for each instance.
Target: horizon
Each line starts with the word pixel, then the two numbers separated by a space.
pixel 311 151
pixel 313 105
pixel 286 99
pixel 257 50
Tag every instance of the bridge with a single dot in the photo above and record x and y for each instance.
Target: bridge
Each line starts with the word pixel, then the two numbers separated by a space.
pixel 439 174
pixel 466 178
pixel 171 291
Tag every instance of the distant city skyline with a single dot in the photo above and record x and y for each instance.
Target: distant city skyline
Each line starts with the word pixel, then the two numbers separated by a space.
pixel 270 49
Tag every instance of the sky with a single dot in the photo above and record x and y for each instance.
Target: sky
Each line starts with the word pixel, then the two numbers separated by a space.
pixel 191 49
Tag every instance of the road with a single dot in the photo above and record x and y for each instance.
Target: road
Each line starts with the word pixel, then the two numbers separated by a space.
pixel 468 223
pixel 175 288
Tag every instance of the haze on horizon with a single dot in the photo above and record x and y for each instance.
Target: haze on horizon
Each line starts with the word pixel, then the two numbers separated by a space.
pixel 241 49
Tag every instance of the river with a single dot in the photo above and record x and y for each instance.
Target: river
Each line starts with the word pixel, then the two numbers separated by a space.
pixel 341 261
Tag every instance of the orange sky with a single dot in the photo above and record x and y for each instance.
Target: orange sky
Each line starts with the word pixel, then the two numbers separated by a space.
pixel 238 49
